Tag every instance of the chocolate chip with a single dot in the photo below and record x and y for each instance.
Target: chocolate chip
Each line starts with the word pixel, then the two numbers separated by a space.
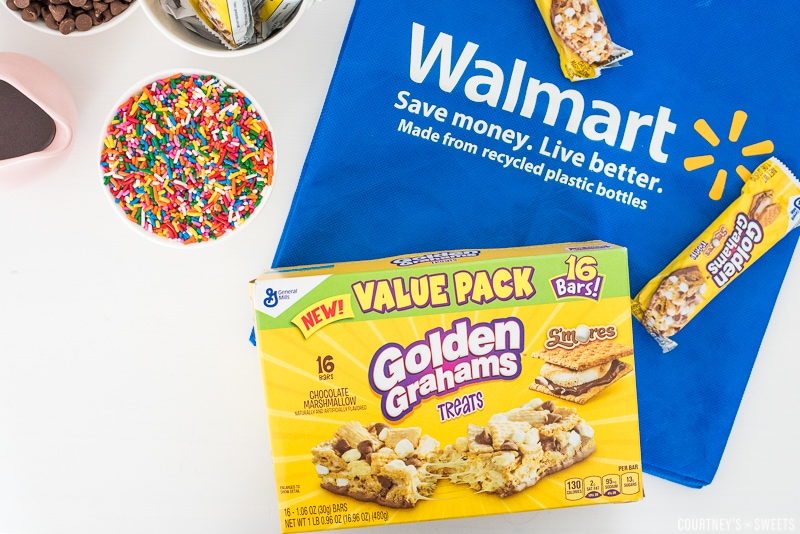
pixel 66 26
pixel 549 406
pixel 99 7
pixel 58 12
pixel 11 5
pixel 31 13
pixel 49 20
pixel 365 447
pixel 22 4
pixel 95 18
pixel 483 438
pixel 552 418
pixel 117 7
pixel 509 445
pixel 368 459
pixel 413 460
pixel 83 22
pixel 342 446
pixel 105 16
pixel 385 481
pixel 548 444
pixel 77 3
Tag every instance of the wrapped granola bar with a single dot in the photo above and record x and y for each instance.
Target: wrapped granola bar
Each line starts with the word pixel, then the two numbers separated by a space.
pixel 233 24
pixel 581 36
pixel 767 210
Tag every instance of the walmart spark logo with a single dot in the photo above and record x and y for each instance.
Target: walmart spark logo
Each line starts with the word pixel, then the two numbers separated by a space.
pixel 698 162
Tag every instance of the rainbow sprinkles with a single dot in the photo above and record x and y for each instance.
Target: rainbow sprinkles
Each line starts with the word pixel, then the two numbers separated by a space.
pixel 188 158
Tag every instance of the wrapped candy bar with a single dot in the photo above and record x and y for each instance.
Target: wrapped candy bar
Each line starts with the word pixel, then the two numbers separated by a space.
pixel 768 208
pixel 233 23
pixel 581 36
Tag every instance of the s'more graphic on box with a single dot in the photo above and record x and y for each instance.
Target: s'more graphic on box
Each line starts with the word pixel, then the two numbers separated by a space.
pixel 578 371
pixel 449 384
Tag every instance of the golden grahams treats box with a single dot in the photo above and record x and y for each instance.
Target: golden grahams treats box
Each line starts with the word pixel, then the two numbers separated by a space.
pixel 449 384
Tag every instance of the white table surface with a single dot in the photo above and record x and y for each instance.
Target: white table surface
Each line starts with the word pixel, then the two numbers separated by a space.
pixel 130 398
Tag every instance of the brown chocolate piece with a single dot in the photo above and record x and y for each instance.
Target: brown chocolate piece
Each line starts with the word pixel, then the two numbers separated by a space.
pixel 66 26
pixel 483 438
pixel 509 445
pixel 548 444
pixel 58 11
pixel 365 447
pixel 22 4
pixel 31 13
pixel 83 22
pixel 413 460
pixel 49 20
pixel 11 5
pixel 552 418
pixel 117 7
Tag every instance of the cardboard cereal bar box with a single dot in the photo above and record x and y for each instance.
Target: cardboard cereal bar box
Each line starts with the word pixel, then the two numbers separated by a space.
pixel 449 384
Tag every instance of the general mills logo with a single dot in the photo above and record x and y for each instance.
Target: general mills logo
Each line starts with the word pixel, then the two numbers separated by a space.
pixel 795 211
pixel 272 298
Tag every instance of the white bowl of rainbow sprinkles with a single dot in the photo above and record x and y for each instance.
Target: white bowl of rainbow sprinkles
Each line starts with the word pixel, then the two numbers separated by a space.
pixel 186 157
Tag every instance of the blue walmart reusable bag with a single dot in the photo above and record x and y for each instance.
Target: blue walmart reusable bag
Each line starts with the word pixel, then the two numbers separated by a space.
pixel 449 125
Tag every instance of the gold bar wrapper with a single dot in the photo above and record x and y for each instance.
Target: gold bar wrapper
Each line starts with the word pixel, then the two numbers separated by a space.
pixel 238 23
pixel 230 20
pixel 768 208
pixel 272 15
pixel 581 36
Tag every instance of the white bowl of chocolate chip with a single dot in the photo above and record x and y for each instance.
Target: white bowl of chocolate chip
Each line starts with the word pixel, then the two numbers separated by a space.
pixel 71 17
